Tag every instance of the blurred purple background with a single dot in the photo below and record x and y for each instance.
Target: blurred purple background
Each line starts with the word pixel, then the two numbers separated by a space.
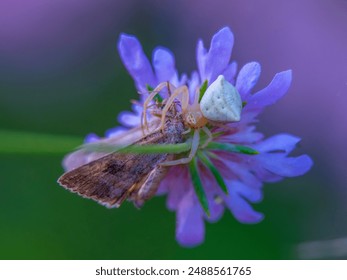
pixel 58 59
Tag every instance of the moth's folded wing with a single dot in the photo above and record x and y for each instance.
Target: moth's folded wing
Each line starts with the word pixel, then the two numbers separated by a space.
pixel 110 179
pixel 91 181
pixel 148 187
pixel 82 156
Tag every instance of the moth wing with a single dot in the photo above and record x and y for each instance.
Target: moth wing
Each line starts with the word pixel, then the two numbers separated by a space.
pixel 148 187
pixel 112 178
pixel 83 156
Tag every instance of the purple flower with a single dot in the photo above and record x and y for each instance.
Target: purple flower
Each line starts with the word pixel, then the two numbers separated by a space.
pixel 243 173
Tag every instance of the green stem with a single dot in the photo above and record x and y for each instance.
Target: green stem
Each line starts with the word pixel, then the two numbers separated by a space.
pixel 139 149
pixel 26 143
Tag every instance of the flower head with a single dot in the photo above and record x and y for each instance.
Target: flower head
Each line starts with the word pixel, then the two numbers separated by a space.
pixel 239 159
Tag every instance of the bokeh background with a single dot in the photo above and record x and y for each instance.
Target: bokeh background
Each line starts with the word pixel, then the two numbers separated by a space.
pixel 60 74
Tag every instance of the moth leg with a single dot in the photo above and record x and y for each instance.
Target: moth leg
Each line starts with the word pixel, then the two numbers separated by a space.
pixel 185 97
pixel 149 187
pixel 209 136
pixel 117 202
pixel 193 150
pixel 144 122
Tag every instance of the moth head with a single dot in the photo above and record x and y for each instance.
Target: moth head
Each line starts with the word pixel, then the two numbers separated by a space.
pixel 221 102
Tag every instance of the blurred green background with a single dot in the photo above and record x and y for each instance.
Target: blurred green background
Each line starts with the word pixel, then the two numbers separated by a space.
pixel 60 74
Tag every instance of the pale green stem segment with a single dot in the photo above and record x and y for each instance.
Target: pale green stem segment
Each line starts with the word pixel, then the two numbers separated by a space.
pixel 198 187
pixel 209 164
pixel 12 142
pixel 138 149
pixel 29 143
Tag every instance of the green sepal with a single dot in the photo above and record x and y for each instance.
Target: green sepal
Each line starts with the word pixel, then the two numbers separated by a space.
pixel 158 99
pixel 198 187
pixel 149 88
pixel 244 103
pixel 203 89
pixel 231 148
pixel 137 149
pixel 209 164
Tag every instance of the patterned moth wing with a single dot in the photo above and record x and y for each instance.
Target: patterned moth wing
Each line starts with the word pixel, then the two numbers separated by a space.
pixel 115 177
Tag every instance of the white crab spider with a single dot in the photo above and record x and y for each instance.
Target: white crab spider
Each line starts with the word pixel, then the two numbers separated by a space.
pixel 221 103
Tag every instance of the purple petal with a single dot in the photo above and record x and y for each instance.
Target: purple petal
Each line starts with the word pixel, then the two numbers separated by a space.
pixel 248 116
pixel 281 142
pixel 216 211
pixel 230 72
pixel 243 212
pixel 136 62
pixel 263 174
pixel 244 136
pixel 243 174
pixel 193 85
pixel 286 166
pixel 91 137
pixel 132 118
pixel 115 131
pixel 183 80
pixel 241 209
pixel 190 228
pixel 214 62
pixel 247 78
pixel 273 92
pixel 200 59
pixel 175 192
pixel 129 119
pixel 251 194
pixel 164 66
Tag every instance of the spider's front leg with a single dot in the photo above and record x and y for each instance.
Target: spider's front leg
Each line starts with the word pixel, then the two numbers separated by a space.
pixel 193 150
pixel 144 122
pixel 209 136
pixel 182 93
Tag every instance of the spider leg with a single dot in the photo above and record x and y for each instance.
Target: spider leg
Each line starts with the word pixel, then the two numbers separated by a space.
pixel 180 90
pixel 193 150
pixel 144 122
pixel 185 99
pixel 187 131
pixel 209 136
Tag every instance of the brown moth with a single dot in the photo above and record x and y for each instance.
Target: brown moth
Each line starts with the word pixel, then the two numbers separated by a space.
pixel 115 177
